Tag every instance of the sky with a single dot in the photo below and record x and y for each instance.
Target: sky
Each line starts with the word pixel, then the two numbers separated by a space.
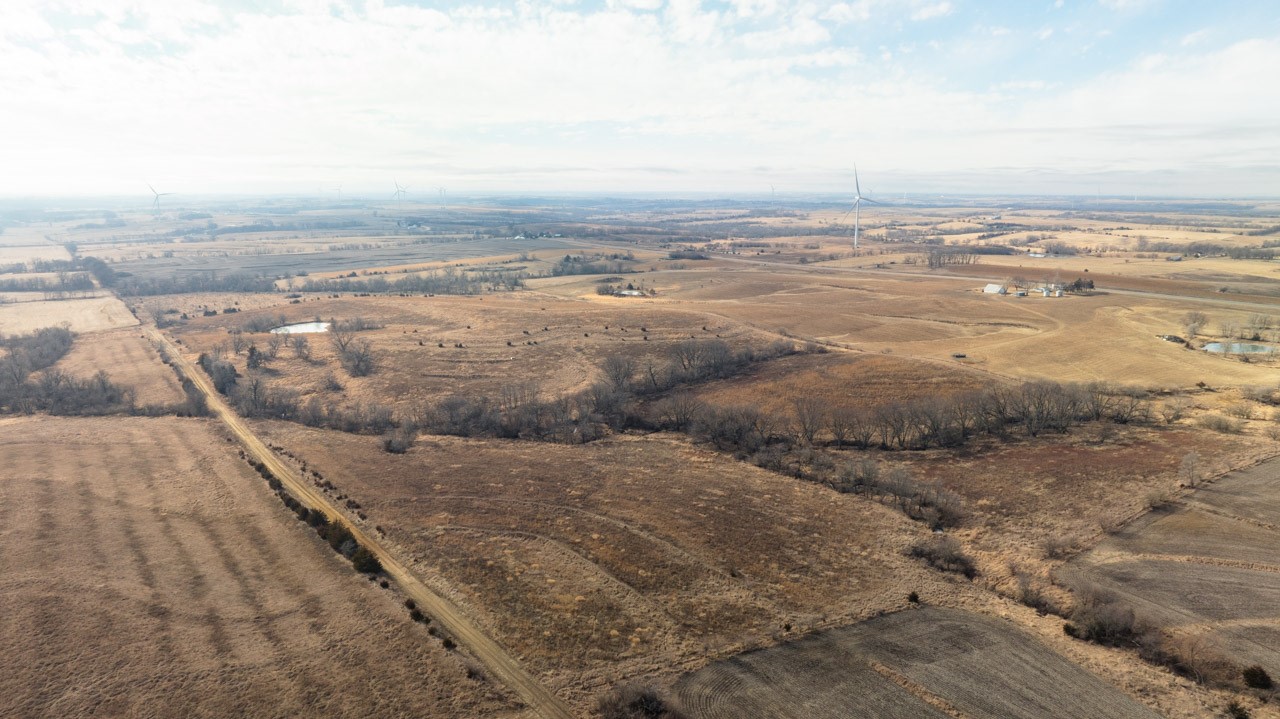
pixel 735 98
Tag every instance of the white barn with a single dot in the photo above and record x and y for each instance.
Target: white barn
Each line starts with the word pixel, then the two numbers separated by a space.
pixel 994 289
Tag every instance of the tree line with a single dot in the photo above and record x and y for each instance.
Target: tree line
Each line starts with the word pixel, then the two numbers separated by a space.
pixel 446 282
pixel 53 390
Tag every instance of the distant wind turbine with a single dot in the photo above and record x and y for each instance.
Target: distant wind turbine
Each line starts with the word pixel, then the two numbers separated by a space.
pixel 856 211
pixel 156 204
pixel 444 195
pixel 399 193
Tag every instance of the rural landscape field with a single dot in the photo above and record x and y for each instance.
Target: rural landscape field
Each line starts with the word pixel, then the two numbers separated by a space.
pixel 639 359
pixel 566 461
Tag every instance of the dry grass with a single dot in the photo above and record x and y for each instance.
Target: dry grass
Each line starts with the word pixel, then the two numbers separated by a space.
pixel 129 359
pixel 148 572
pixel 926 663
pixel 1206 570
pixel 625 554
pixel 496 334
pixel 87 315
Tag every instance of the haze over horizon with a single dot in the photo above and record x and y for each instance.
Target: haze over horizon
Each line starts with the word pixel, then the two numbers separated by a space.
pixel 1121 97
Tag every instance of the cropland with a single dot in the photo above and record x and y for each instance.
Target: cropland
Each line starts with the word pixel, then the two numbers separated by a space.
pixel 543 452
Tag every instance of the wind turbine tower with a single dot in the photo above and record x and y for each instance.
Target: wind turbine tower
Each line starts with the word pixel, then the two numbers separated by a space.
pixel 856 210
pixel 155 205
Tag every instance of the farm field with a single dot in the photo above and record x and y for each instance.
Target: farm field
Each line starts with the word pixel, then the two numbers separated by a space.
pixel 1206 568
pixel 841 380
pixel 756 574
pixel 129 360
pixel 87 315
pixel 914 663
pixel 489 343
pixel 935 318
pixel 625 556
pixel 147 571
pixel 1023 494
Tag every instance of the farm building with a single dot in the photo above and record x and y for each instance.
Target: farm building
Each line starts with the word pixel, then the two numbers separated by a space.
pixel 994 289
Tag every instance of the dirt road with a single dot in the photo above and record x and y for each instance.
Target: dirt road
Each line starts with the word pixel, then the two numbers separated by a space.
pixel 501 665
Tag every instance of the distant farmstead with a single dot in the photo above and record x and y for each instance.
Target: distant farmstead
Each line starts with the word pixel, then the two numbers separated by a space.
pixel 994 289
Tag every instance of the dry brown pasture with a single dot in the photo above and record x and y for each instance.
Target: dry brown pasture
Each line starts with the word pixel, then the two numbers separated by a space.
pixel 496 332
pixel 147 571
pixel 839 380
pixel 1022 493
pixel 1104 337
pixel 1206 568
pixel 129 359
pixel 87 315
pixel 930 662
pixel 629 556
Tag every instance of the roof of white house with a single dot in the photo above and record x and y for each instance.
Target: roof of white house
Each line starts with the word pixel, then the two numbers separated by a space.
pixel 994 289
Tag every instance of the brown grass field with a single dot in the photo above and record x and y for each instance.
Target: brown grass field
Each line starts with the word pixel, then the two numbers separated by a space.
pixel 87 315
pixel 929 662
pixel 1206 568
pixel 147 571
pixel 496 332
pixel 129 359
pixel 625 556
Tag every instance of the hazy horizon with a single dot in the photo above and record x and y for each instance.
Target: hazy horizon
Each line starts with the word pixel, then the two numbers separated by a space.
pixel 1155 98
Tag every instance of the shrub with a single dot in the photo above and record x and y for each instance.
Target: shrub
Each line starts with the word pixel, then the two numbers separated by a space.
pixel 1218 423
pixel 635 702
pixel 1058 546
pixel 364 561
pixel 1255 677
pixel 945 554
pixel 449 644
pixel 1099 616
pixel 914 597
pixel 416 615
pixel 1236 710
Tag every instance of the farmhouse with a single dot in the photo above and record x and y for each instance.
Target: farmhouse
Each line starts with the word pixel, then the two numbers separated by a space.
pixel 994 289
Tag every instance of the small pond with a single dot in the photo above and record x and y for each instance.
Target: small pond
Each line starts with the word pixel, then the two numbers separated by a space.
pixel 301 328
pixel 1238 348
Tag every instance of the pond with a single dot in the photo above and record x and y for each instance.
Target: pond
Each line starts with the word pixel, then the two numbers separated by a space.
pixel 301 328
pixel 1238 348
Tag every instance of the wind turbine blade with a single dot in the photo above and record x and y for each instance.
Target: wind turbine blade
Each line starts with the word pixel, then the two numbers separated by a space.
pixel 856 186
pixel 846 215
pixel 868 199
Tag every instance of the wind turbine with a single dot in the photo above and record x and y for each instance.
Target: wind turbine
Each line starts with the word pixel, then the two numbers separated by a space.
pixel 156 204
pixel 858 199
pixel 444 195
pixel 399 193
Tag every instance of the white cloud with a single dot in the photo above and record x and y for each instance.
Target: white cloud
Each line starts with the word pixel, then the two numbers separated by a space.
pixel 1126 5
pixel 537 97
pixel 847 12
pixel 931 11
pixel 1194 38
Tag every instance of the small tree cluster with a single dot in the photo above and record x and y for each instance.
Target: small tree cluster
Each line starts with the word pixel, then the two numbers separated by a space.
pixel 637 702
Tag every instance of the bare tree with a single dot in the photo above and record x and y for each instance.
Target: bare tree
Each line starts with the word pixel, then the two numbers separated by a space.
pixel 357 358
pixel 274 342
pixel 1174 410
pixel 840 423
pixel 678 411
pixel 1193 322
pixel 618 370
pixel 1190 471
pixel 811 415
pixel 341 338
pixel 301 347
pixel 238 342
